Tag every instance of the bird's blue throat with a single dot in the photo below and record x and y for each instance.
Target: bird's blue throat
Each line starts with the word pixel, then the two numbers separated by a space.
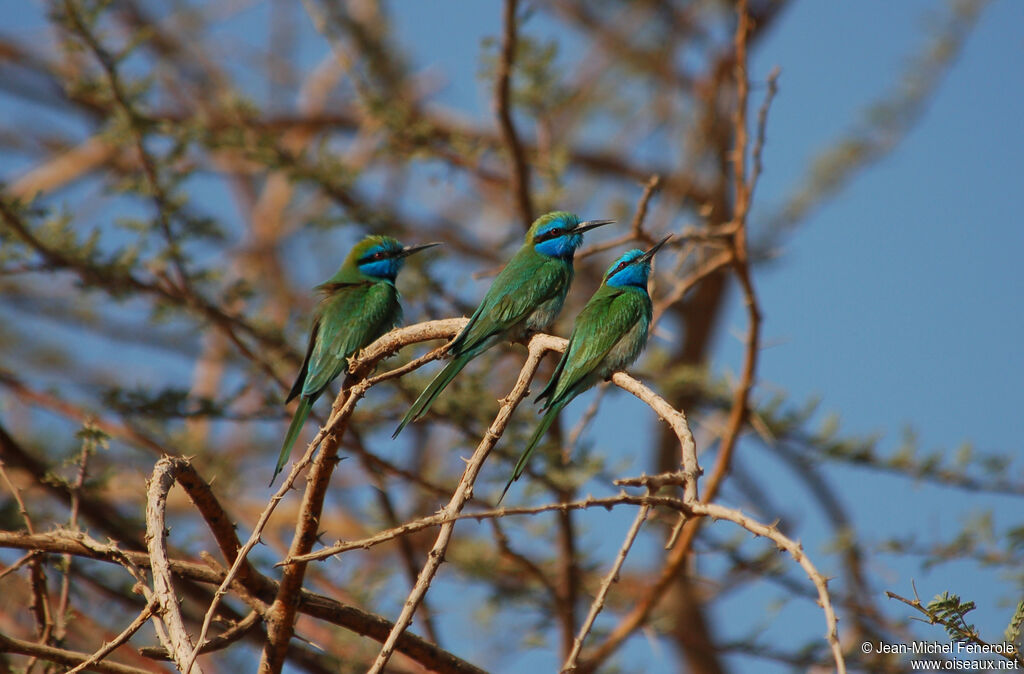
pixel 383 269
pixel 381 261
pixel 563 247
pixel 558 239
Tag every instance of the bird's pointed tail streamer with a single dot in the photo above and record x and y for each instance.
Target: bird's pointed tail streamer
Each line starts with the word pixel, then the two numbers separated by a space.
pixel 542 428
pixel 426 399
pixel 301 414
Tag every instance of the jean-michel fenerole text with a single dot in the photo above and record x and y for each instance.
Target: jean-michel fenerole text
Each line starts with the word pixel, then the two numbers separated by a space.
pixel 953 647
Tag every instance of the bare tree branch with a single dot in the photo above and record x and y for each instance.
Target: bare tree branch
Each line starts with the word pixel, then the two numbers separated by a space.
pixel 109 647
pixel 179 644
pixel 520 182
pixel 602 592
pixel 61 656
pixel 462 494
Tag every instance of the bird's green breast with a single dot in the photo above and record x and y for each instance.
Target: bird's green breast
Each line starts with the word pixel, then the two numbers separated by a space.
pixel 362 305
pixel 349 318
pixel 608 335
pixel 626 349
pixel 551 280
pixel 526 295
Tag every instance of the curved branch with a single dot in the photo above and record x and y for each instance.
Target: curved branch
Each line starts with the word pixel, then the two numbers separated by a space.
pixel 796 551
pixel 461 496
pixel 178 643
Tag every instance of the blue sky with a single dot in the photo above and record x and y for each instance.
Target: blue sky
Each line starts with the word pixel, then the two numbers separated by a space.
pixel 910 275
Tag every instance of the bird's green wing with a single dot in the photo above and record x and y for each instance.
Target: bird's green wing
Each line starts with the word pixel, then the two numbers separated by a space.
pixel 348 319
pixel 606 319
pixel 300 380
pixel 526 282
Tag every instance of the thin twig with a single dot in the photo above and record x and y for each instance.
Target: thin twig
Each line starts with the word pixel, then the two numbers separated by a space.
pixel 37 573
pixel 76 496
pixel 229 636
pixel 739 152
pixel 62 656
pixel 636 227
pixel 520 179
pixel 405 545
pixel 16 493
pixel 441 518
pixel 121 638
pixel 17 564
pixel 602 592
pixel 462 494
pixel 762 127
pixel 709 267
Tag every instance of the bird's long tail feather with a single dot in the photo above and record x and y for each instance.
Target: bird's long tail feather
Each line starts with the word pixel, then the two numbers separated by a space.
pixel 301 414
pixel 542 428
pixel 426 399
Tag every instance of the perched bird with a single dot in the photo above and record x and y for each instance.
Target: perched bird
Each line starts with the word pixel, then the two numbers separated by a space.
pixel 359 304
pixel 526 296
pixel 608 335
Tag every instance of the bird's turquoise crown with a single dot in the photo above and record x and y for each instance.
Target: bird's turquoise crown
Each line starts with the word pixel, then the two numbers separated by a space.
pixel 555 235
pixel 629 270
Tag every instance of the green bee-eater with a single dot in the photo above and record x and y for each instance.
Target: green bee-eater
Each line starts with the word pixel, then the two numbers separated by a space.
pixel 526 296
pixel 359 304
pixel 608 335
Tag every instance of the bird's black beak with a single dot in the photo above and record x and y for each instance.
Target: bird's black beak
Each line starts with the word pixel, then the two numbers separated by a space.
pixel 409 250
pixel 590 224
pixel 646 257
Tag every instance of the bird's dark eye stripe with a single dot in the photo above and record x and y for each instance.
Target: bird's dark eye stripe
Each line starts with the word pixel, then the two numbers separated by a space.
pixel 379 255
pixel 550 234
